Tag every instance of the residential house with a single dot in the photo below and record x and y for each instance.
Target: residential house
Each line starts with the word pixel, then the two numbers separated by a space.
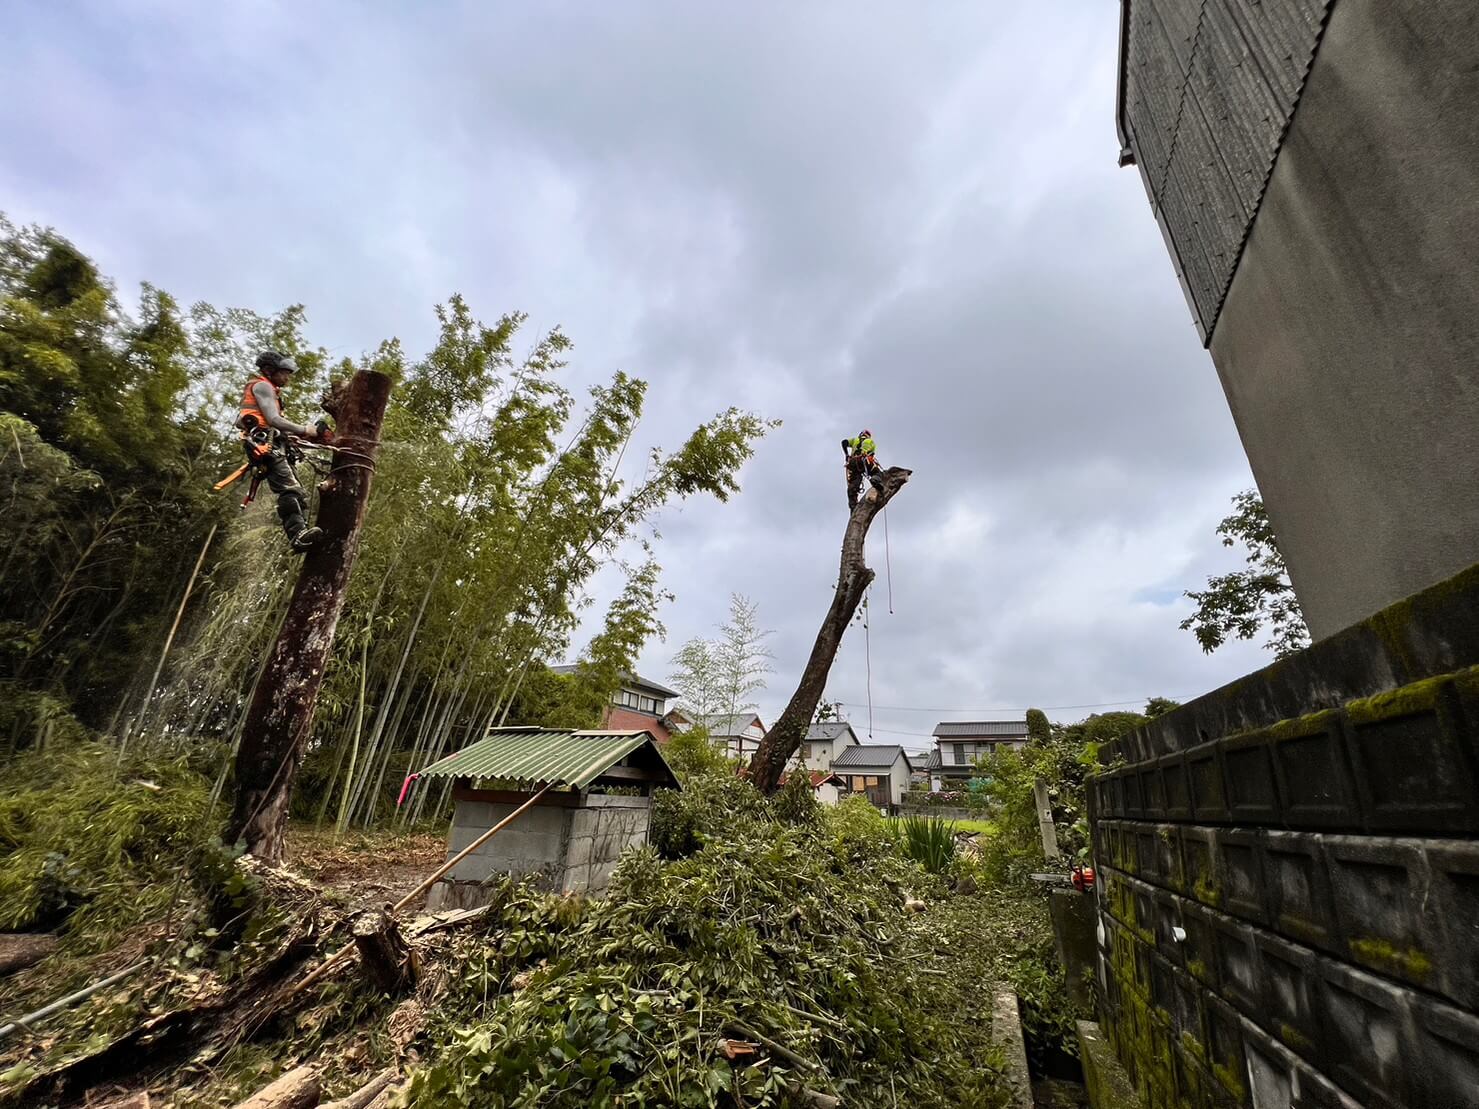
pixel 639 705
pixel 822 744
pixel 959 743
pixel 878 771
pixel 738 733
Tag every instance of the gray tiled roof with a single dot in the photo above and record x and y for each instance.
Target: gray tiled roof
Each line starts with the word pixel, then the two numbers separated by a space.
pixel 932 760
pixel 832 729
pixel 985 729
pixel 869 756
pixel 728 724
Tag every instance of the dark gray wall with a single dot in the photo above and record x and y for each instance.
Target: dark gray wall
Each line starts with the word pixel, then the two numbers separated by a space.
pixel 1207 88
pixel 1314 165
pixel 1348 344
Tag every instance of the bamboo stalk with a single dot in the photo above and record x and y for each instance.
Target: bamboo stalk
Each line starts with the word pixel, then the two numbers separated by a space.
pixel 168 643
pixel 71 999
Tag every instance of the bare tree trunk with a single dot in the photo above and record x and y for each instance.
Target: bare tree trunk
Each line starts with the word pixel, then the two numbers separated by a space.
pixel 281 712
pixel 853 580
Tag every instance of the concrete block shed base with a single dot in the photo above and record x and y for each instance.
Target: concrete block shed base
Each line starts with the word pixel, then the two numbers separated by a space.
pixel 569 847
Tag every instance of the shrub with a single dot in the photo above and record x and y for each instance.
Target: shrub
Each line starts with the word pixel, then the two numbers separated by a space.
pixel 692 754
pixel 928 840
pixel 1063 762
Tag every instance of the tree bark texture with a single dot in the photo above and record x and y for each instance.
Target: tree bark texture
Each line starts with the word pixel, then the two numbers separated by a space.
pixel 297 1089
pixel 280 715
pixel 19 950
pixel 383 951
pixel 853 579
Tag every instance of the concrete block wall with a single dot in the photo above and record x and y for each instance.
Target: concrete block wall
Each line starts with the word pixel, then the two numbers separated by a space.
pixel 599 833
pixel 570 849
pixel 1289 906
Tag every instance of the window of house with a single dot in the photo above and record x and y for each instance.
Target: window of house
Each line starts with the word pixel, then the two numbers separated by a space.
pixel 647 704
pixel 959 752
pixel 872 781
pixel 858 783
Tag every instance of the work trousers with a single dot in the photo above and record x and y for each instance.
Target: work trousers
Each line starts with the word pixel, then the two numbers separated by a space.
pixel 859 466
pixel 292 502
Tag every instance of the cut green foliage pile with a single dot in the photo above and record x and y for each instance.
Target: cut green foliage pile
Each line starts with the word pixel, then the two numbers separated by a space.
pixel 783 930
pixel 91 846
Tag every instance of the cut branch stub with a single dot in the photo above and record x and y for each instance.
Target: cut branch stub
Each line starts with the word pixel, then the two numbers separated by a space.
pixel 383 951
pixel 853 579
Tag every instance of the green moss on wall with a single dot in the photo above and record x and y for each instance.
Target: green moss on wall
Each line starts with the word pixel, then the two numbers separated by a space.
pixel 1206 891
pixel 1294 1038
pixel 1309 724
pixel 1407 962
pixel 1231 1081
pixel 1408 701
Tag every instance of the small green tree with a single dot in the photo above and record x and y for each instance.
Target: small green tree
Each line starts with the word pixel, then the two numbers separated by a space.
pixel 695 676
pixel 1240 604
pixel 1037 725
pixel 719 675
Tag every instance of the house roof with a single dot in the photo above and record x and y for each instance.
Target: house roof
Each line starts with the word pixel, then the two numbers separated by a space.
pixel 720 724
pixel 932 760
pixel 870 756
pixel 818 777
pixel 832 729
pixel 981 729
pixel 553 756
pixel 634 680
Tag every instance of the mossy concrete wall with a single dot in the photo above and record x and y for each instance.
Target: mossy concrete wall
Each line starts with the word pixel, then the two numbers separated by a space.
pixel 1289 876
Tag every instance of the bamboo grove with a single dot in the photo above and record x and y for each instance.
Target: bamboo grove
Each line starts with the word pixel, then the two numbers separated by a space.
pixel 500 495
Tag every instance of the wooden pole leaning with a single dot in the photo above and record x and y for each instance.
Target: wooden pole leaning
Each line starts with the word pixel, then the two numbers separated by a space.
pixel 339 956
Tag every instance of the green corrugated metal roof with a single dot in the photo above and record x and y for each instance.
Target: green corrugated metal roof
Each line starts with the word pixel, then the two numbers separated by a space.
pixel 532 756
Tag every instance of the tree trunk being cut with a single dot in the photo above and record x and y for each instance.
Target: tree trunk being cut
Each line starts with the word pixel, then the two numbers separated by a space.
pixel 281 711
pixel 853 580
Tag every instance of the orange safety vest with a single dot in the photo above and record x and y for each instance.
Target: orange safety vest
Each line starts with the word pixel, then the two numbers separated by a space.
pixel 251 415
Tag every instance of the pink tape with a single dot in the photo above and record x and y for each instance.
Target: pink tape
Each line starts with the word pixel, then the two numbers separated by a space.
pixel 405 789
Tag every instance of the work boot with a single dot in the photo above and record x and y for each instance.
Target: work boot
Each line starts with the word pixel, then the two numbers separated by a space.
pixel 306 539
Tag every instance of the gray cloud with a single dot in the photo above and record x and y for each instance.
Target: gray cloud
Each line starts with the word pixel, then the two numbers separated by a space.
pixel 833 213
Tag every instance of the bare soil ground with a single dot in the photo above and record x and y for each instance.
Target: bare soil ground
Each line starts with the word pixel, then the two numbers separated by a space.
pixel 367 868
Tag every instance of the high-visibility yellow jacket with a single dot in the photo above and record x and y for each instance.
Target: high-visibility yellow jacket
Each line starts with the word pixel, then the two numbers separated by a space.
pixel 857 445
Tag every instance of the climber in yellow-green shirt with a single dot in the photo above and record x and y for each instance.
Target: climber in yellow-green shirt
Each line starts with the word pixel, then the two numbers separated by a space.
pixel 860 463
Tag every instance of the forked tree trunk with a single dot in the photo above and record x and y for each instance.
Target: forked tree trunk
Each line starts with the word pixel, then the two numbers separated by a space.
pixel 853 579
pixel 280 715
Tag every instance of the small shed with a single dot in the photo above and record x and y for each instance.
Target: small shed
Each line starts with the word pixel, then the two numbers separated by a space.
pixel 599 802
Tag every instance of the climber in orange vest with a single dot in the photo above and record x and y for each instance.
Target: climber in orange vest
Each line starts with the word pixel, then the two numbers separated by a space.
pixel 268 437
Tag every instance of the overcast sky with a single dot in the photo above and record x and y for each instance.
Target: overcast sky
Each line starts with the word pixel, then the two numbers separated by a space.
pixel 902 216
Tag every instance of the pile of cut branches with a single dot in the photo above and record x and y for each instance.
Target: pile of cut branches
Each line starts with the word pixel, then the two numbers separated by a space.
pixel 776 965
